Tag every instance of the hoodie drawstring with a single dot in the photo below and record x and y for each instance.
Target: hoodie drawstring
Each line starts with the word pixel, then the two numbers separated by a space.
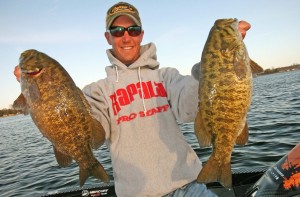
pixel 117 80
pixel 140 79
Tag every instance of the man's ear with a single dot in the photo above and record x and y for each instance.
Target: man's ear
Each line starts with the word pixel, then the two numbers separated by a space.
pixel 142 35
pixel 106 34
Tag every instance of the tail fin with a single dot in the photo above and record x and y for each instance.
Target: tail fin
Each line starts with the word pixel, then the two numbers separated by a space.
pixel 96 170
pixel 212 172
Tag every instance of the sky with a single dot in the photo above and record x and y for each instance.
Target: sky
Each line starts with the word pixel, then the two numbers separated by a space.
pixel 72 32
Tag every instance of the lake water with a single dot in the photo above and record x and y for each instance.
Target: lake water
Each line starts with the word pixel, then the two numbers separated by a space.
pixel 28 166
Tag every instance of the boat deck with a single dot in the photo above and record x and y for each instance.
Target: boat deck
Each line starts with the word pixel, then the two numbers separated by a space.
pixel 242 181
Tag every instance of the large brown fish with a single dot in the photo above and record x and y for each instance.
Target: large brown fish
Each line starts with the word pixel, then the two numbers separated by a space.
pixel 61 112
pixel 225 89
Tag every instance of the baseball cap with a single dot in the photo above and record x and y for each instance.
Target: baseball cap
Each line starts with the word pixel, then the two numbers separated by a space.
pixel 122 8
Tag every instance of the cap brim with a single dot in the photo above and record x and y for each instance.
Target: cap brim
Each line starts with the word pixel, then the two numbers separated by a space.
pixel 137 22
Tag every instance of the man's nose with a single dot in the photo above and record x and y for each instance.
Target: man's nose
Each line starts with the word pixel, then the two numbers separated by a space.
pixel 126 37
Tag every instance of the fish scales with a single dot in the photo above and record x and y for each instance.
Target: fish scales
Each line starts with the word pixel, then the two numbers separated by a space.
pixel 61 113
pixel 225 90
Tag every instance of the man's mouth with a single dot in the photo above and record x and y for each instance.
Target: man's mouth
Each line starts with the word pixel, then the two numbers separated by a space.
pixel 127 48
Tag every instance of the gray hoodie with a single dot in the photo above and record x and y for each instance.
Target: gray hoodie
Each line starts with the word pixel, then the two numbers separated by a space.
pixel 139 107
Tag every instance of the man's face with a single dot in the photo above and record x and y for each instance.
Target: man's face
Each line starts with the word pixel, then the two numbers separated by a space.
pixel 125 48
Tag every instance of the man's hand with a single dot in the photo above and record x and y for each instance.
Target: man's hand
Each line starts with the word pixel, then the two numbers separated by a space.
pixel 243 27
pixel 17 73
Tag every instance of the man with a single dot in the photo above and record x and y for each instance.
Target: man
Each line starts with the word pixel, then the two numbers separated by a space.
pixel 139 106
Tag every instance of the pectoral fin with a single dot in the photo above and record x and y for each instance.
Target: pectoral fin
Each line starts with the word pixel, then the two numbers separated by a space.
pixel 242 139
pixel 239 65
pixel 98 134
pixel 204 137
pixel 62 159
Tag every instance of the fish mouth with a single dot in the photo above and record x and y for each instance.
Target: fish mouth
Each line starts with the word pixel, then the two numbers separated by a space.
pixel 32 72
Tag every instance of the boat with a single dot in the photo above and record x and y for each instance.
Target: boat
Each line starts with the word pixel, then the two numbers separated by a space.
pixel 242 180
pixel 280 180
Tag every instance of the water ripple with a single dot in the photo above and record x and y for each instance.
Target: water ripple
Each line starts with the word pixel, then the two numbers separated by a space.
pixel 28 166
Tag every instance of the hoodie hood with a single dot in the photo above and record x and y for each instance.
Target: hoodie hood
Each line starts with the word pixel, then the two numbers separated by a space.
pixel 147 59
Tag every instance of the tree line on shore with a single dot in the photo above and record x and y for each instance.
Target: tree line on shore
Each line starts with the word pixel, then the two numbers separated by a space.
pixel 9 112
pixel 281 69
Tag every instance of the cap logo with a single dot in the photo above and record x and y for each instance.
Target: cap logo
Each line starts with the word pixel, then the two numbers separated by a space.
pixel 121 8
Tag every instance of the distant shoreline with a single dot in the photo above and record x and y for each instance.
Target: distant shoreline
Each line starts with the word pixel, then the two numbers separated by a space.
pixel 280 69
pixel 9 112
pixel 294 67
